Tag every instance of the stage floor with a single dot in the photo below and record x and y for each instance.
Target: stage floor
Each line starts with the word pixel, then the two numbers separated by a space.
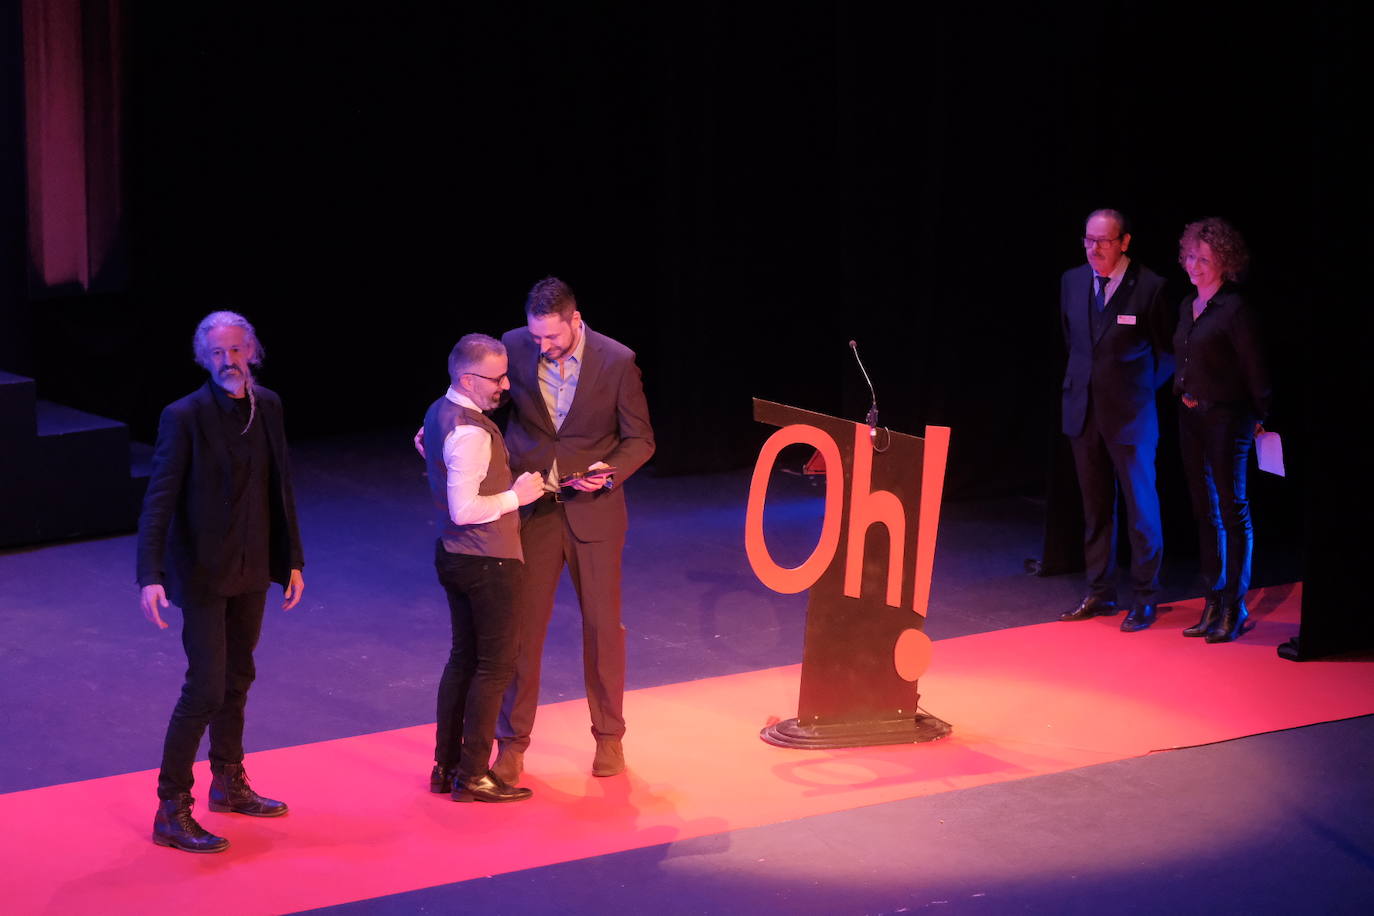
pixel 1024 702
pixel 1040 800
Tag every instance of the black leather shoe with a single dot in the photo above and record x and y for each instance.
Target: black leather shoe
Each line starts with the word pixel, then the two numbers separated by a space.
pixel 488 788
pixel 1090 607
pixel 1140 617
pixel 1231 623
pixel 173 826
pixel 229 791
pixel 440 779
pixel 1211 611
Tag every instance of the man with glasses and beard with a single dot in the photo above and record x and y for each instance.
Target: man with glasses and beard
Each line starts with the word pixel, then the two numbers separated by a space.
pixel 479 562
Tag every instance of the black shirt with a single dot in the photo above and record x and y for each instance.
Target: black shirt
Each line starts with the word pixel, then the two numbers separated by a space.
pixel 1220 358
pixel 250 518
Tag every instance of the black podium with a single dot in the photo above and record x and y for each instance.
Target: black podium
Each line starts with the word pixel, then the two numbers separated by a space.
pixel 869 578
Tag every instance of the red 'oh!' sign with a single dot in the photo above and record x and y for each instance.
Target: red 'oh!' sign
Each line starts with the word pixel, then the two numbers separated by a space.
pixel 914 469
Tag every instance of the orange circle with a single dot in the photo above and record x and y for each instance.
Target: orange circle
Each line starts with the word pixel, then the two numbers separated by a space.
pixel 911 655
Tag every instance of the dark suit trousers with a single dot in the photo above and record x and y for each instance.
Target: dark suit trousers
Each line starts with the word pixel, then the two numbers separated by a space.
pixel 1215 443
pixel 219 636
pixel 594 566
pixel 1104 469
pixel 482 594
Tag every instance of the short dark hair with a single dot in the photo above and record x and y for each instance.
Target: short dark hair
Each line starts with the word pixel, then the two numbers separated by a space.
pixel 470 350
pixel 550 296
pixel 1123 224
pixel 1228 247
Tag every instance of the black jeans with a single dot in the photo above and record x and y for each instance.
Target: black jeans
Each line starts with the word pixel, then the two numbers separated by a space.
pixel 219 636
pixel 482 593
pixel 1215 440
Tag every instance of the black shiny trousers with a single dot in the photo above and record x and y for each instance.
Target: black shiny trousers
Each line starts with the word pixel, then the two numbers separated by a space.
pixel 1215 442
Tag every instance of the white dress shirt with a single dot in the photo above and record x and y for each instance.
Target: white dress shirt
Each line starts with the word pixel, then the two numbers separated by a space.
pixel 467 455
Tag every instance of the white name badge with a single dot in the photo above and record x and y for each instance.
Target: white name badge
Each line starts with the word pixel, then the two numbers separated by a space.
pixel 1125 319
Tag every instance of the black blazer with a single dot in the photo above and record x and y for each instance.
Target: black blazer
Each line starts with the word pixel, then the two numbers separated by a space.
pixel 185 516
pixel 608 421
pixel 1125 363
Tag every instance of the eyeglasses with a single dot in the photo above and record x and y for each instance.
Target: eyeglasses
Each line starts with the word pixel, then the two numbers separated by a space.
pixel 1090 242
pixel 498 380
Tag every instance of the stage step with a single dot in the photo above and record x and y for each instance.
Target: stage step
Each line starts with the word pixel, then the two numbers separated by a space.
pixel 64 473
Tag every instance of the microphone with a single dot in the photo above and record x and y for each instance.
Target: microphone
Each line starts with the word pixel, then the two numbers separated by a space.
pixel 872 418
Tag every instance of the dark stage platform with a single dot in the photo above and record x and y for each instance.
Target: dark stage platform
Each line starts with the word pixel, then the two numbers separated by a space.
pixel 1041 801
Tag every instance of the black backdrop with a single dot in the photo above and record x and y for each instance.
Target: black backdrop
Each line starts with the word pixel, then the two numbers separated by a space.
pixel 733 189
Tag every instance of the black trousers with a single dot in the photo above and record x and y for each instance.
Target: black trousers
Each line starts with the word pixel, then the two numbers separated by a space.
pixel 219 635
pixel 1104 469
pixel 1215 441
pixel 482 594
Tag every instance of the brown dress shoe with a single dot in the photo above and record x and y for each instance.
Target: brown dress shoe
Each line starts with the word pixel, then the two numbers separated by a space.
pixel 488 788
pixel 173 826
pixel 610 757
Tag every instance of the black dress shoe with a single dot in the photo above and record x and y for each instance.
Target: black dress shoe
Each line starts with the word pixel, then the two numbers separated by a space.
pixel 173 826
pixel 229 791
pixel 1140 617
pixel 488 788
pixel 1211 611
pixel 1089 607
pixel 1231 623
pixel 441 779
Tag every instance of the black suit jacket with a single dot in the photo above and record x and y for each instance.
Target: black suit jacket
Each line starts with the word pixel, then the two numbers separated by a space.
pixel 181 531
pixel 608 421
pixel 1118 370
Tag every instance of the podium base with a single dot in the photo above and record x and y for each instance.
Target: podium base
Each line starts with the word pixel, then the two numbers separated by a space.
pixel 791 733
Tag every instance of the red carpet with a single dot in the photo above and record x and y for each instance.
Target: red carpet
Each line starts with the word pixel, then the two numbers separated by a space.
pixel 1023 702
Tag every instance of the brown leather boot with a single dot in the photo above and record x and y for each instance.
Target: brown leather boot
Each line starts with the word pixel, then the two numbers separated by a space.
pixel 510 763
pixel 610 757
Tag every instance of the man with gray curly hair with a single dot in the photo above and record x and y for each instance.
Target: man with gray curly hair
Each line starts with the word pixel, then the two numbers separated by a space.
pixel 218 527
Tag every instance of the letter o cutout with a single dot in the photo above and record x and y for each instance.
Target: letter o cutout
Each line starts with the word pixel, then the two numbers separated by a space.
pixel 800 578
pixel 911 655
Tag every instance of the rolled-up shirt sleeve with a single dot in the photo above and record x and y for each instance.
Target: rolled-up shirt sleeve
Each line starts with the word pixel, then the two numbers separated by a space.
pixel 467 454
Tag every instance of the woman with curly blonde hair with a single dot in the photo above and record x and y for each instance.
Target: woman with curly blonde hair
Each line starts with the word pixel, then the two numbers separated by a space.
pixel 1223 383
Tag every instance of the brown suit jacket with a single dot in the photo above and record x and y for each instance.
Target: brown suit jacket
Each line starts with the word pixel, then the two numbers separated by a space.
pixel 608 421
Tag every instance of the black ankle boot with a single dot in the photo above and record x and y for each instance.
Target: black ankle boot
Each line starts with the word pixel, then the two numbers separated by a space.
pixel 229 791
pixel 1210 612
pixel 1232 622
pixel 173 826
pixel 441 779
